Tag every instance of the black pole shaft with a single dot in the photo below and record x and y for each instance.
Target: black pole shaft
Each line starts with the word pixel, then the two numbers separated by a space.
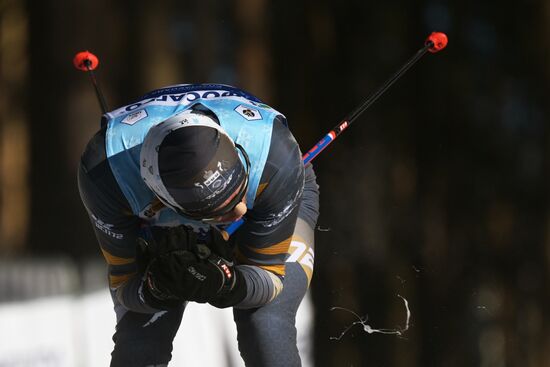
pixel 373 97
pixel 344 124
pixel 98 93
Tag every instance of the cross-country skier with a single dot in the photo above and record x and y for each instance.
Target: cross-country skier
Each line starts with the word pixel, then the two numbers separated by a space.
pixel 159 179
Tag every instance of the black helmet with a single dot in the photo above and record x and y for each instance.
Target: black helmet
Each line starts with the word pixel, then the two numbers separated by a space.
pixel 193 166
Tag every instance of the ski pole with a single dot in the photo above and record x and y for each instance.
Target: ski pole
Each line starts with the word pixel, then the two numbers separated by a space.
pixel 435 42
pixel 88 62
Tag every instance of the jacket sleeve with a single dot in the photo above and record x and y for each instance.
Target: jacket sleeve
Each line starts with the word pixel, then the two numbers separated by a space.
pixel 115 226
pixel 263 241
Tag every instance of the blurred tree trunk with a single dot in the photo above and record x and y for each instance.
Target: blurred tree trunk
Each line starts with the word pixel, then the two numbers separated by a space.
pixel 14 159
pixel 53 200
pixel 543 354
pixel 253 58
pixel 58 116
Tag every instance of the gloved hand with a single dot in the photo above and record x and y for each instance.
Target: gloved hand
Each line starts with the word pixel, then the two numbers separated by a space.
pixel 181 274
pixel 194 272
pixel 163 240
pixel 236 292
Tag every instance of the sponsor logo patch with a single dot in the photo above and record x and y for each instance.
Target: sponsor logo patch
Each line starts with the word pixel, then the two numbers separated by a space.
pixel 134 117
pixel 248 113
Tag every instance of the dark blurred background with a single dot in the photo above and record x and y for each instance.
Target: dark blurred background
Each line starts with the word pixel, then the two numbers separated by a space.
pixel 438 193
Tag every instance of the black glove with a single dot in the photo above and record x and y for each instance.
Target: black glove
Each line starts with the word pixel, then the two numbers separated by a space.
pixel 166 239
pixel 179 269
pixel 234 290
pixel 180 274
pixel 162 241
pixel 197 274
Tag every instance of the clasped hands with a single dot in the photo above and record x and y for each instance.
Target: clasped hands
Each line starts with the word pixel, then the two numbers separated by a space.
pixel 177 269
